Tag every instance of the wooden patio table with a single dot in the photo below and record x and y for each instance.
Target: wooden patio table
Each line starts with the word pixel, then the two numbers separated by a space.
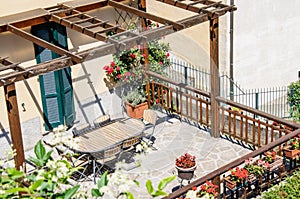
pixel 104 137
pixel 98 139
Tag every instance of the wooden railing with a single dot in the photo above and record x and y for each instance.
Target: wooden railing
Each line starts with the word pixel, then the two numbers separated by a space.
pixel 249 126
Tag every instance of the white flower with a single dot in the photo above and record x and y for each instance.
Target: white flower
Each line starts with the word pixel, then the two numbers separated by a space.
pixel 191 194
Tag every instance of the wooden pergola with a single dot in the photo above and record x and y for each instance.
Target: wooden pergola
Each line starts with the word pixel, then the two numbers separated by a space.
pixel 74 15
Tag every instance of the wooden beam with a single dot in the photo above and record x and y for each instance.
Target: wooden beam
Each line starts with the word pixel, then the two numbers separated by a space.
pixel 214 76
pixel 43 43
pixel 15 125
pixel 177 26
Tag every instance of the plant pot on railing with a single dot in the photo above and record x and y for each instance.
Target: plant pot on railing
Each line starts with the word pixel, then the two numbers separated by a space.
pixel 231 184
pixel 289 152
pixel 278 162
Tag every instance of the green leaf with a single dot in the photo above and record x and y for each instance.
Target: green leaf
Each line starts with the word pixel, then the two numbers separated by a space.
pixel 17 190
pixel 136 182
pixel 164 182
pixel 14 173
pixel 47 156
pixel 129 195
pixel 103 180
pixel 159 193
pixel 149 187
pixel 35 185
pixel 37 162
pixel 71 192
pixel 96 193
pixel 39 150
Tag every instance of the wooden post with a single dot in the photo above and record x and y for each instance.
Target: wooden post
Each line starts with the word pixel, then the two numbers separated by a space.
pixel 14 124
pixel 214 76
pixel 142 6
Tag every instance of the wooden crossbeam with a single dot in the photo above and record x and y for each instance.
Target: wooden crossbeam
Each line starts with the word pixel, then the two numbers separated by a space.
pixel 7 67
pixel 43 43
pixel 177 26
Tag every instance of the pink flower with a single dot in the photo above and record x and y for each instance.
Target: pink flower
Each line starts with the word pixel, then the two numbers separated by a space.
pixel 105 67
pixel 148 27
pixel 112 64
pixel 157 101
pixel 110 70
pixel 119 76
pixel 118 68
pixel 160 63
pixel 127 74
pixel 144 55
pixel 125 79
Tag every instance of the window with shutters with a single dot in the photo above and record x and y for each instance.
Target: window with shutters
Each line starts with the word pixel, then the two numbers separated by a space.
pixel 56 86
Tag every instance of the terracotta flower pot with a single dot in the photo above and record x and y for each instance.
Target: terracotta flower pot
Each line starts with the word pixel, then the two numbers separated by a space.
pixel 231 184
pixel 137 111
pixel 290 153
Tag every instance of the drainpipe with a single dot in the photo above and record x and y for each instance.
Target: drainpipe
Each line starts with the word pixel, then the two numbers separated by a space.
pixel 231 53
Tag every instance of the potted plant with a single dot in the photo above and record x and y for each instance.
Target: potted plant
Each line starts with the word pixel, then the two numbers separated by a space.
pixel 293 148
pixel 186 165
pixel 272 160
pixel 253 169
pixel 136 103
pixel 207 190
pixel 237 178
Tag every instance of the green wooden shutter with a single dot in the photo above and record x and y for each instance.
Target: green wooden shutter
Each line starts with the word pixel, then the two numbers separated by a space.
pixel 60 39
pixel 56 87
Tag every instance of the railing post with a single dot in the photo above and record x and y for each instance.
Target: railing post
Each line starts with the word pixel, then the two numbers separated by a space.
pixel 214 76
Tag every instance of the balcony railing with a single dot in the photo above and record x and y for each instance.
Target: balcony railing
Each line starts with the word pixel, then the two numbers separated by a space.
pixel 247 126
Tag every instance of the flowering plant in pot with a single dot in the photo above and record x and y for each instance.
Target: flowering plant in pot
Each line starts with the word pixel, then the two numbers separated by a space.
pixel 207 190
pixel 293 148
pixel 271 160
pixel 186 161
pixel 236 178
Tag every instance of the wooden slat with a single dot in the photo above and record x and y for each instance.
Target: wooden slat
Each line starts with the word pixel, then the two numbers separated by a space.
pixel 43 43
pixel 156 18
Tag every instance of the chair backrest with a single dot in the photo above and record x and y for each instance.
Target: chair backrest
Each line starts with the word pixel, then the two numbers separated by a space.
pixel 108 152
pixel 131 142
pixel 81 129
pixel 150 116
pixel 102 120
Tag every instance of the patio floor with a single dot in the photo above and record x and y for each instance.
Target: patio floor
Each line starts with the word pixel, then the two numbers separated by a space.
pixel 174 138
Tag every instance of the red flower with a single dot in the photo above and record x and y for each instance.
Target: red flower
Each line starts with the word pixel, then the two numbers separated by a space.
pixel 194 188
pixel 132 56
pixel 118 68
pixel 157 25
pixel 112 64
pixel 119 76
pixel 168 55
pixel 144 55
pixel 110 70
pixel 105 67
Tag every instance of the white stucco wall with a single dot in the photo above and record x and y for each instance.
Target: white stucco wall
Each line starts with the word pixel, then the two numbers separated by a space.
pixel 266 43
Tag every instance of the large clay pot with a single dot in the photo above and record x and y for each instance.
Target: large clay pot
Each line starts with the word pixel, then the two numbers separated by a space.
pixel 137 111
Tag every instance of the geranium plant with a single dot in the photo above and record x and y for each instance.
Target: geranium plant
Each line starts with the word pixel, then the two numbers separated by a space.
pixel 253 168
pixel 186 161
pixel 270 156
pixel 207 190
pixel 238 174
pixel 295 142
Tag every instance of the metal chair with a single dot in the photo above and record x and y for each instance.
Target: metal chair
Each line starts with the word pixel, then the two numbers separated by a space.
pixel 102 120
pixel 149 118
pixel 80 161
pixel 81 129
pixel 106 158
